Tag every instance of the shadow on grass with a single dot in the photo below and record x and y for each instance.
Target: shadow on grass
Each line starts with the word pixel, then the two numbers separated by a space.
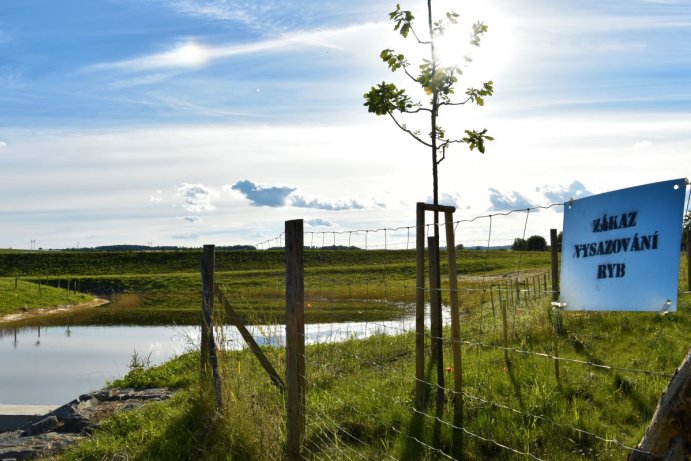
pixel 516 384
pixel 626 387
pixel 644 410
pixel 411 446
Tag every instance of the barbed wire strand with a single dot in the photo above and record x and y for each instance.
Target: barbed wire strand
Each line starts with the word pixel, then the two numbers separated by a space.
pixel 399 228
pixel 497 405
pixel 322 422
pixel 447 423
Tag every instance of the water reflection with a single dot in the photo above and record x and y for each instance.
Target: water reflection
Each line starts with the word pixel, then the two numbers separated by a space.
pixel 54 364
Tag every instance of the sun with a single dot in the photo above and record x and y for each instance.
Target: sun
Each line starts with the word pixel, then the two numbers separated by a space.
pixel 495 52
pixel 190 54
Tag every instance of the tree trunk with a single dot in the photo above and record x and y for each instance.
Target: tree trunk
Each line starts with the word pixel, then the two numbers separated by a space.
pixel 669 435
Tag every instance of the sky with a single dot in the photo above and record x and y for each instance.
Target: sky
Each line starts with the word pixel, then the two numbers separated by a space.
pixel 191 122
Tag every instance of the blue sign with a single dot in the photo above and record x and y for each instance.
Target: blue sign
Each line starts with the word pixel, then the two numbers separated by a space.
pixel 621 249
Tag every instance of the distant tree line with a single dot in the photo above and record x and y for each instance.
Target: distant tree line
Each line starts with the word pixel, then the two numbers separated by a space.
pixel 158 248
pixel 534 243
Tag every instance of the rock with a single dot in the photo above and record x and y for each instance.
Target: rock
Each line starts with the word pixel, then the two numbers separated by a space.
pixel 67 425
pixel 41 426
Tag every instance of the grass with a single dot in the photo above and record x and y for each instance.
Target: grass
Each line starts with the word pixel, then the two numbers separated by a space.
pixel 21 296
pixel 360 392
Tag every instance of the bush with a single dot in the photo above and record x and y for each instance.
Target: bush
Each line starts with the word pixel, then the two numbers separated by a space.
pixel 519 244
pixel 536 243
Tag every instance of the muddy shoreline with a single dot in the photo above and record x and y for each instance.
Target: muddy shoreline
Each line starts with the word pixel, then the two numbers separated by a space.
pixel 9 319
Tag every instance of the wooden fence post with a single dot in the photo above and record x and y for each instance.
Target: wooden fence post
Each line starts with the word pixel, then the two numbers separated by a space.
pixel 554 247
pixel 457 437
pixel 556 321
pixel 688 258
pixel 208 345
pixel 435 315
pixel 295 338
pixel 420 309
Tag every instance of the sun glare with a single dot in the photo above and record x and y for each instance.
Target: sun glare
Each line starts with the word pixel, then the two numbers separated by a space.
pixel 190 54
pixel 494 54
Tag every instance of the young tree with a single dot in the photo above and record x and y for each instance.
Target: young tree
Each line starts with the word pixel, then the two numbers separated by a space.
pixel 437 80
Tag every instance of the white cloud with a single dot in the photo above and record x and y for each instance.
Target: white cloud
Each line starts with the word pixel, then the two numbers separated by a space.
pixel 148 79
pixel 222 10
pixel 157 197
pixel 300 201
pixel 3 144
pixel 262 195
pixel 642 145
pixel 192 54
pixel 192 219
pixel 196 197
pixel 280 196
pixel 100 181
pixel 508 201
pixel 185 236
pixel 561 194
pixel 319 222
pixel 448 198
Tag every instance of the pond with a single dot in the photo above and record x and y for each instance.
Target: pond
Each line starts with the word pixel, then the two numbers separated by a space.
pixel 51 365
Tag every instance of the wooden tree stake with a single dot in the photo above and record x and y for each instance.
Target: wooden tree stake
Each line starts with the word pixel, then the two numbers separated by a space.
pixel 295 338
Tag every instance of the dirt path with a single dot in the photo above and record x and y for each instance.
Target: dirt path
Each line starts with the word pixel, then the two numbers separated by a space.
pixel 11 318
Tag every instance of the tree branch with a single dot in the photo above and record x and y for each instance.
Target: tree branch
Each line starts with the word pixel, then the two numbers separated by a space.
pixel 443 154
pixel 419 109
pixel 421 42
pixel 448 142
pixel 412 77
pixel 448 103
pixel 403 128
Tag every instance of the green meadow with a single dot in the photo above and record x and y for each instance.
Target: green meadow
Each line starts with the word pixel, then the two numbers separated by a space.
pixel 612 367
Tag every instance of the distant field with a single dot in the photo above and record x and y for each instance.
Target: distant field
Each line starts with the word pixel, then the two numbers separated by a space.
pixel 164 287
pixel 75 263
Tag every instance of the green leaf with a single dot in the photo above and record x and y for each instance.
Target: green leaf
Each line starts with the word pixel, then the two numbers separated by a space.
pixel 477 95
pixel 403 20
pixel 394 61
pixel 479 29
pixel 386 98
pixel 476 139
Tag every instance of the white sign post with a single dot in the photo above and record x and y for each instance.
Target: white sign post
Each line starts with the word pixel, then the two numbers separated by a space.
pixel 621 249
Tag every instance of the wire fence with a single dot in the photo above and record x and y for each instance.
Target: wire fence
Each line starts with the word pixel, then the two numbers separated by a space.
pixel 537 383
